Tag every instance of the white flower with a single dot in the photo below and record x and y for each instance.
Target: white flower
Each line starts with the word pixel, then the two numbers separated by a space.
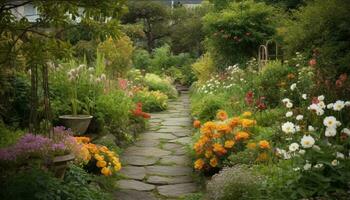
pixel 289 105
pixel 347 103
pixel 314 107
pixel 307 141
pixel 340 155
pixel 346 131
pixel 103 77
pixel 299 117
pixel 330 122
pixel 321 104
pixel 330 132
pixel 285 100
pixel 297 128
pixel 307 166
pixel 318 166
pixel 338 105
pixel 288 127
pixel 302 151
pixel 335 162
pixel 296 169
pixel 304 96
pixel 293 86
pixel 293 147
pixel 91 69
pixel 330 106
pixel 289 114
pixel 320 98
pixel 311 128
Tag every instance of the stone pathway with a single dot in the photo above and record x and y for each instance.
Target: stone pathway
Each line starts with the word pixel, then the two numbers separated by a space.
pixel 156 166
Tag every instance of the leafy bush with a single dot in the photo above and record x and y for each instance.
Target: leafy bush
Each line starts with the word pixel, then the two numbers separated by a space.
pixel 38 184
pixel 238 182
pixel 322 26
pixel 141 59
pixel 206 107
pixel 156 83
pixel 8 137
pixel 113 109
pixel 203 68
pixel 152 101
pixel 235 33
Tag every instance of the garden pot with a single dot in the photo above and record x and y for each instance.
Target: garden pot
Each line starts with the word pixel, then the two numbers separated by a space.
pixel 59 165
pixel 78 123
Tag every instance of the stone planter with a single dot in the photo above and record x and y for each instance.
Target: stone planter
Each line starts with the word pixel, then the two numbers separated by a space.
pixel 78 123
pixel 59 165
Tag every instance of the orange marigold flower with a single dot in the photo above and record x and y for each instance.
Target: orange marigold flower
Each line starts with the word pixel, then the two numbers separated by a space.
pixel 247 114
pixel 251 145
pixel 241 135
pixel 213 162
pixel 262 157
pixel 196 123
pixel 117 166
pixel 234 122
pixel 101 163
pixel 247 123
pixel 217 135
pixel 221 115
pixel 104 149
pixel 218 148
pixel 223 128
pixel 264 144
pixel 208 153
pixel 98 157
pixel 229 144
pixel 106 171
pixel 199 164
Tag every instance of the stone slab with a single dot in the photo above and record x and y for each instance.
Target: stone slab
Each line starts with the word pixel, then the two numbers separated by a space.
pixel 146 151
pixel 134 185
pixel 168 170
pixel 175 160
pixel 183 140
pixel 160 180
pixel 133 195
pixel 172 146
pixel 147 143
pixel 132 172
pixel 139 160
pixel 177 190
pixel 157 136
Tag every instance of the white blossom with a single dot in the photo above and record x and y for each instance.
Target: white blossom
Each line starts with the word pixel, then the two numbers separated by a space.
pixel 338 105
pixel 293 86
pixel 330 132
pixel 307 141
pixel 293 147
pixel 346 131
pixel 288 127
pixel 299 117
pixel 330 122
pixel 335 162
pixel 289 114
pixel 311 128
pixel 340 155
pixel 307 166
pixel 320 98
pixel 304 96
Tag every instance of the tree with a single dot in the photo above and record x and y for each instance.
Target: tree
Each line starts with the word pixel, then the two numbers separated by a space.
pixel 154 17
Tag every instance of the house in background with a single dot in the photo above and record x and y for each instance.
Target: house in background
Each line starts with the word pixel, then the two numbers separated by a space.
pixel 28 11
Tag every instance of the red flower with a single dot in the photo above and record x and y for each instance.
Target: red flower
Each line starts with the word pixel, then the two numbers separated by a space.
pixel 123 84
pixel 260 104
pixel 312 62
pixel 343 77
pixel 249 98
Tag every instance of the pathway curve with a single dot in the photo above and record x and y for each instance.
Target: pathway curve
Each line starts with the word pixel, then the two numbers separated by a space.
pixel 156 166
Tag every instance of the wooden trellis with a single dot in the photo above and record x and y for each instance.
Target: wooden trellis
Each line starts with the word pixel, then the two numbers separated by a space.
pixel 263 53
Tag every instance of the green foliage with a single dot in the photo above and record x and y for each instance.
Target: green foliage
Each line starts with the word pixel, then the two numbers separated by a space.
pixel 322 26
pixel 203 68
pixel 113 109
pixel 270 79
pixel 117 54
pixel 205 107
pixel 141 59
pixel 238 182
pixel 152 101
pixel 235 33
pixel 156 83
pixel 8 136
pixel 38 184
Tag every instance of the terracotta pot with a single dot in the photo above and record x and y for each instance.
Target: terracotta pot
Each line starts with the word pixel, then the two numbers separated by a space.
pixel 78 123
pixel 59 165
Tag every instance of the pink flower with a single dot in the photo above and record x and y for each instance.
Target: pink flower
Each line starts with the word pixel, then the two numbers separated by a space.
pixel 312 62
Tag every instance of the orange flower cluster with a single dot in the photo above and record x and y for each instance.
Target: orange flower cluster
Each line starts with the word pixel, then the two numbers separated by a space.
pixel 218 139
pixel 106 160
pixel 139 113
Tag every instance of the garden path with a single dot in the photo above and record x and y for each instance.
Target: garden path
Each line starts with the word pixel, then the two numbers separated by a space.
pixel 157 166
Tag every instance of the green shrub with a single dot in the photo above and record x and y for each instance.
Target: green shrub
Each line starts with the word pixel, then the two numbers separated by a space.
pixel 114 109
pixel 156 83
pixel 203 68
pixel 238 182
pixel 141 59
pixel 269 82
pixel 8 137
pixel 205 107
pixel 152 101
pixel 235 33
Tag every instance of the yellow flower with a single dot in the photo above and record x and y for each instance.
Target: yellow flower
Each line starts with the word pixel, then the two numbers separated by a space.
pixel 84 152
pixel 117 166
pixel 251 145
pixel 101 163
pixel 241 135
pixel 262 157
pixel 264 144
pixel 208 128
pixel 234 122
pixel 217 135
pixel 248 123
pixel 218 148
pixel 104 149
pixel 222 115
pixel 247 114
pixel 98 157
pixel 229 144
pixel 208 153
pixel 106 171
pixel 213 162
pixel 199 164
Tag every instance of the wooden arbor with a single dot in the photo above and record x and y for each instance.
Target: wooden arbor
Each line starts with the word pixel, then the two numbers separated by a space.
pixel 263 53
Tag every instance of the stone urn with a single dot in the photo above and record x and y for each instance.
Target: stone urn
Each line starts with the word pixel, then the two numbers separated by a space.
pixel 78 123
pixel 59 165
